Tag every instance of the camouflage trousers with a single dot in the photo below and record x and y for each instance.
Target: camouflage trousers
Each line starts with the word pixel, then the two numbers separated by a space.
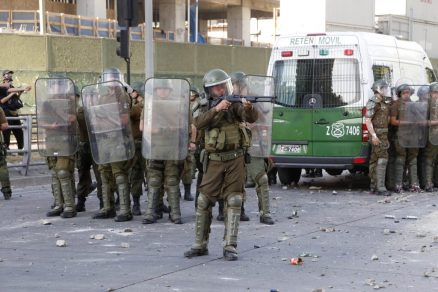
pixel 137 172
pixel 186 175
pixel 430 164
pixel 405 158
pixel 164 175
pixel 377 152
pixel 108 173
pixel 256 171
pixel 84 162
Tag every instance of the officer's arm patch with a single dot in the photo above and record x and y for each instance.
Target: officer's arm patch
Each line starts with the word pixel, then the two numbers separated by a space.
pixel 371 104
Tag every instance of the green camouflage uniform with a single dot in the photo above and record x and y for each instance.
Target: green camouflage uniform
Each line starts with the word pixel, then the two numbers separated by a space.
pixel 84 161
pixel 256 171
pixel 163 176
pixel 61 167
pixel 378 112
pixel 403 156
pixel 431 151
pixel 137 172
pixel 117 172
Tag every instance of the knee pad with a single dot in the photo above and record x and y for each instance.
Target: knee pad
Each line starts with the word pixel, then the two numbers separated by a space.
pixel 203 202
pixel 262 179
pixel 154 182
pixel 382 161
pixel 63 174
pixel 235 200
pixel 172 180
pixel 121 179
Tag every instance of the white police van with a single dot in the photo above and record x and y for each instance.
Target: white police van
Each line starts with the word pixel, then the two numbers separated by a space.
pixel 323 82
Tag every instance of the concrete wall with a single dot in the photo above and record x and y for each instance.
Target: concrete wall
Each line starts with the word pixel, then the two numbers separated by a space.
pixel 33 56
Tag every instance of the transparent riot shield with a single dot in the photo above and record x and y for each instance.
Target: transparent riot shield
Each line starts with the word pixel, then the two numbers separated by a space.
pixel 56 117
pixel 260 90
pixel 166 119
pixel 412 131
pixel 433 118
pixel 107 115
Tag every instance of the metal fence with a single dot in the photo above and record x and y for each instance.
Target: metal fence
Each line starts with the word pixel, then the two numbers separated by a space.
pixel 76 25
pixel 28 139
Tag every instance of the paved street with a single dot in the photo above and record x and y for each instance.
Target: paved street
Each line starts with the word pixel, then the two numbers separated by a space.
pixel 341 234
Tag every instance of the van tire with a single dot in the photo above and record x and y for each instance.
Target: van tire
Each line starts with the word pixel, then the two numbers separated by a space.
pixel 288 176
pixel 334 171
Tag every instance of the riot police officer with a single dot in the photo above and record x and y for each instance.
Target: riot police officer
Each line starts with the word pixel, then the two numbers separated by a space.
pixel 256 169
pixel 403 155
pixel 163 174
pixel 431 151
pixel 137 171
pixel 226 139
pixel 57 139
pixel 376 119
pixel 109 111
pixel 84 162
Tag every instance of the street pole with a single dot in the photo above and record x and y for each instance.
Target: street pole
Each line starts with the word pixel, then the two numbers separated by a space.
pixel 148 38
pixel 196 21
pixel 188 21
pixel 42 12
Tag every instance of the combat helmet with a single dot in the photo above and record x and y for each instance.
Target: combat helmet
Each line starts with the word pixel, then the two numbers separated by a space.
pixel 433 87
pixel 382 87
pixel 217 77
pixel 236 76
pixel 162 83
pixel 403 87
pixel 59 84
pixel 112 74
pixel 423 92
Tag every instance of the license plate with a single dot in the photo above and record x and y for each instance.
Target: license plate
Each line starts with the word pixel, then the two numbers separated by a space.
pixel 290 148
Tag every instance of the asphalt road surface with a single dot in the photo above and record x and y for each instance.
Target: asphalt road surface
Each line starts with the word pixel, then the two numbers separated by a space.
pixel 348 239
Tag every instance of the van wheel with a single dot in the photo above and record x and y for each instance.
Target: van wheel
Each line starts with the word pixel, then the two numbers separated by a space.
pixel 288 176
pixel 334 171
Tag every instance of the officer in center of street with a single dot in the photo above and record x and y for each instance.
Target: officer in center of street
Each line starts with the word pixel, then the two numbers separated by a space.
pixel 226 144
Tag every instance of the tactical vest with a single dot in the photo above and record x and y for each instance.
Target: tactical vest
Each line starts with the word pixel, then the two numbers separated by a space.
pixel 227 136
pixel 381 113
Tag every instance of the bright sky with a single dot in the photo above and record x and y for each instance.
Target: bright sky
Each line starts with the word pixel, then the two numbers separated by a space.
pixel 390 7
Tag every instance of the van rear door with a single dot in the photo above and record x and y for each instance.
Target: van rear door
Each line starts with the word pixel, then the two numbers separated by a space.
pixel 319 102
pixel 337 120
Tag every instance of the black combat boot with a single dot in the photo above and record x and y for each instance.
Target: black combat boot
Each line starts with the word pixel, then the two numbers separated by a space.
pixel 80 205
pixel 136 206
pixel 187 193
pixel 220 216
pixel 243 216
pixel 7 195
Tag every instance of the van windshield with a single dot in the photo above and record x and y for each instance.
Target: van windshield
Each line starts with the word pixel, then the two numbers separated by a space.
pixel 317 82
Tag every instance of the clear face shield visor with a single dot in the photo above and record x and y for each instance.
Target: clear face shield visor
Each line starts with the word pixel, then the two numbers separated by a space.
pixel 106 77
pixel 224 88
pixel 385 91
pixel 58 86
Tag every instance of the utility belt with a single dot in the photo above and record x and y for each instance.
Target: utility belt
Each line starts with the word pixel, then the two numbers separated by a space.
pixel 381 130
pixel 226 156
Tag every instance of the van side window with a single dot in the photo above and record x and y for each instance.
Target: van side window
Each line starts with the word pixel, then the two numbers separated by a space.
pixel 431 77
pixel 311 83
pixel 382 72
